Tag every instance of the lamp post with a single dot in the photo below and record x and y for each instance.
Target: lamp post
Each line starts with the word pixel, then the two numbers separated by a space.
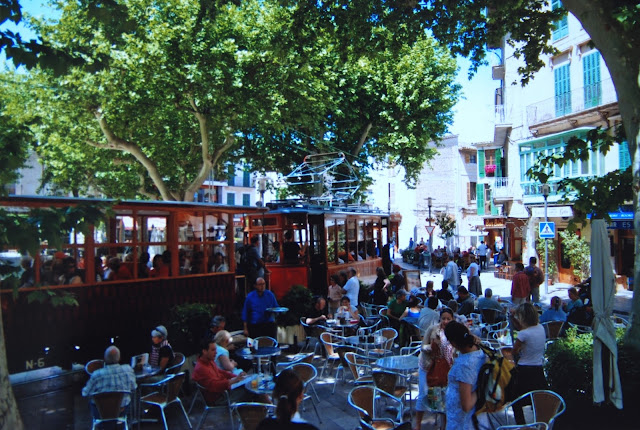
pixel 545 193
pixel 429 202
pixel 262 188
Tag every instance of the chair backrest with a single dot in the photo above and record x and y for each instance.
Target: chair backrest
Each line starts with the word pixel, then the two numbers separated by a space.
pixel 355 364
pixel 176 364
pixel 251 414
pixel 547 405
pixel 263 341
pixel 173 386
pixel 305 371
pixel 93 365
pixel 553 329
pixel 391 334
pixel 386 381
pixel 489 316
pixel 109 404
pixel 342 350
pixel 361 399
pixel 328 342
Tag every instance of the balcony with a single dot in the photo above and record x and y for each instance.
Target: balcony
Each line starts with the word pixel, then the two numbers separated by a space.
pixel 490 169
pixel 504 188
pixel 584 100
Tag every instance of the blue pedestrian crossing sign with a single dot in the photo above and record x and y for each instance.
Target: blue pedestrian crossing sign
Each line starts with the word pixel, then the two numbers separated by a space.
pixel 547 230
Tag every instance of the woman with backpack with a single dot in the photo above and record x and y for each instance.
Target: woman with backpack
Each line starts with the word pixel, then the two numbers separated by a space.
pixel 463 377
pixel 529 353
pixel 436 357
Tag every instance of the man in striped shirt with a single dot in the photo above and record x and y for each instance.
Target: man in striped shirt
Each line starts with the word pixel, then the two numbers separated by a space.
pixel 112 377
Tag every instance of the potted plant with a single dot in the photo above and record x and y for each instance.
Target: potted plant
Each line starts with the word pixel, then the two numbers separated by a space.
pixel 490 169
pixel 189 322
pixel 299 301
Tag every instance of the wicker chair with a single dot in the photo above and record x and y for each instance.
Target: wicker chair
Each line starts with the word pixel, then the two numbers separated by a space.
pixel 308 374
pixel 222 403
pixel 387 382
pixel 546 405
pixel 176 364
pixel 166 395
pixel 251 414
pixel 362 399
pixel 330 342
pixel 386 349
pixel 311 332
pixel 109 408
pixel 553 329
pixel 359 367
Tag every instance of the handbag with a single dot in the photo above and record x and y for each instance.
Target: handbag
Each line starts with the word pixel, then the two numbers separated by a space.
pixel 438 373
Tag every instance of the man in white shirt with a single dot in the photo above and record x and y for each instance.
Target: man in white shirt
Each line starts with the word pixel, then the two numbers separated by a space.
pixel 451 276
pixel 352 287
pixel 482 253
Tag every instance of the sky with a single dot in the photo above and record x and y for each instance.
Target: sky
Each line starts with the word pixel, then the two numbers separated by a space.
pixel 473 114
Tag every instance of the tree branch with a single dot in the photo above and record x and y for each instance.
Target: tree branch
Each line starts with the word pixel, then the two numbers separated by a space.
pixel 363 138
pixel 116 143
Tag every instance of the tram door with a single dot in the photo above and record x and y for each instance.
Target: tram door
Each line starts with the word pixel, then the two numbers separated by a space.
pixel 317 255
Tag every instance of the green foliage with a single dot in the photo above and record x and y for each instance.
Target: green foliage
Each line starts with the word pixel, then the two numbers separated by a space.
pixel 553 267
pixel 579 253
pixel 189 322
pixel 446 223
pixel 299 301
pixel 569 370
pixel 14 149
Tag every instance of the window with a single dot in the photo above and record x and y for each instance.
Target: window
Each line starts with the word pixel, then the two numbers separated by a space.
pixel 231 199
pixel 562 81
pixel 470 158
pixel 471 186
pixel 560 27
pixel 246 200
pixel 591 74
pixel 246 179
pixel 624 156
pixel 231 173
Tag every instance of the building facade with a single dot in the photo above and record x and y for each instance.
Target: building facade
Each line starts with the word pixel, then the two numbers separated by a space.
pixel 572 94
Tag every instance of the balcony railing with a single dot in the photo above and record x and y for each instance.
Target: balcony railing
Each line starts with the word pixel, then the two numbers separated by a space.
pixel 534 189
pixel 578 100
pixel 503 115
pixel 504 188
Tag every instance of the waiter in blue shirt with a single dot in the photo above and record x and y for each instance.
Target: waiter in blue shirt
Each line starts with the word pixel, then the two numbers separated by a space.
pixel 257 320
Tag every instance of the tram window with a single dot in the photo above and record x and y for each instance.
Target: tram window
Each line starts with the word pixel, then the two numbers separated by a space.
pixel 124 228
pixel 156 228
pixel 264 221
pixel 272 245
pixel 331 241
pixel 342 241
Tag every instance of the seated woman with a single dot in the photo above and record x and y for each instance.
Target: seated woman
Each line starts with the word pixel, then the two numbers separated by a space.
pixel 288 393
pixel 555 312
pixel 223 361
pixel 161 352
pixel 347 309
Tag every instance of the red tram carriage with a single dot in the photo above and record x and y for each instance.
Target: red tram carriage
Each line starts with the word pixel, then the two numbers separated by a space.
pixel 40 335
pixel 330 240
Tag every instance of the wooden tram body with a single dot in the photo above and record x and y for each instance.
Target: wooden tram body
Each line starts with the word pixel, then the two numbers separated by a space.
pixel 122 311
pixel 331 239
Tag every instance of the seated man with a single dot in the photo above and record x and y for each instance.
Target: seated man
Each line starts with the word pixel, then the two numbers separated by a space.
pixel 488 302
pixel 112 377
pixel 319 312
pixel 465 301
pixel 215 380
pixel 428 315
pixel 396 308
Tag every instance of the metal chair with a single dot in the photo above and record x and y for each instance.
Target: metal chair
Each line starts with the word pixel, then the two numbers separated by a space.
pixel 342 350
pixel 308 374
pixel 109 408
pixel 489 316
pixel 223 403
pixel 93 365
pixel 265 341
pixel 330 341
pixel 387 382
pixel 386 349
pixel 359 367
pixel 545 404
pixel 362 399
pixel 582 329
pixel 167 394
pixel 553 329
pixel 311 332
pixel 533 426
pixel 250 414
pixel 176 364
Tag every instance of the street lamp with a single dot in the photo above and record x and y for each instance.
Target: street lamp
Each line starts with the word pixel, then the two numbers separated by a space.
pixel 429 202
pixel 545 193
pixel 262 188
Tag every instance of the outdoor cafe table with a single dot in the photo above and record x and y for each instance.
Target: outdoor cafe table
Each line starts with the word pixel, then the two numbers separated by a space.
pixel 259 354
pixel 348 324
pixel 400 363
pixel 142 373
pixel 259 384
pixel 366 341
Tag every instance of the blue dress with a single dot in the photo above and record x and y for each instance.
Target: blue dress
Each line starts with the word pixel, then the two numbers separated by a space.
pixel 465 369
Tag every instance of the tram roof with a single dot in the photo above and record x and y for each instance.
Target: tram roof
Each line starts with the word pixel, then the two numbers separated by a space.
pixel 18 200
pixel 301 206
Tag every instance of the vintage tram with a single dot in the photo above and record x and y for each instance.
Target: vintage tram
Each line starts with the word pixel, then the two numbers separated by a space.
pixel 188 236
pixel 328 239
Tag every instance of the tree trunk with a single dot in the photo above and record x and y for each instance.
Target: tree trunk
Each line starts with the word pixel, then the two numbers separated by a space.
pixel 619 53
pixel 9 414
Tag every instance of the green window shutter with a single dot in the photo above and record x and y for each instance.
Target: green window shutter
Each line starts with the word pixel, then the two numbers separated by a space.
pixel 246 200
pixel 498 163
pixel 246 179
pixel 561 26
pixel 591 76
pixel 494 209
pixel 480 197
pixel 481 163
pixel 231 173
pixel 231 199
pixel 624 156
pixel 562 81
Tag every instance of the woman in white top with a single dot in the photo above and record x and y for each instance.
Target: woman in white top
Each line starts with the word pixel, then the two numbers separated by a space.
pixel 223 339
pixel 529 353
